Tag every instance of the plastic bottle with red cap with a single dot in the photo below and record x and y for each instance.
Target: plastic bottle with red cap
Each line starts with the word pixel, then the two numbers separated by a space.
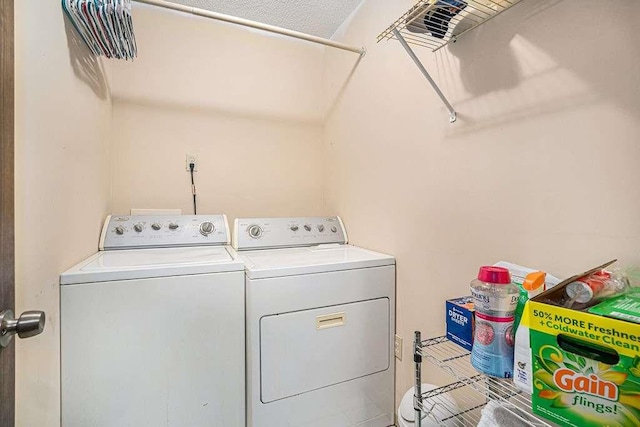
pixel 496 299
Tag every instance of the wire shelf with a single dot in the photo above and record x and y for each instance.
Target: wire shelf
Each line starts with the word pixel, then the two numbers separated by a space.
pixel 438 404
pixel 472 390
pixel 436 23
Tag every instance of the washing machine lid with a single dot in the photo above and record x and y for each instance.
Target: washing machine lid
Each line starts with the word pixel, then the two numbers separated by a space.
pixel 266 263
pixel 147 263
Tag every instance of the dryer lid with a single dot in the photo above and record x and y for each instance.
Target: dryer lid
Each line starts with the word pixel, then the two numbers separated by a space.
pixel 147 263
pixel 262 264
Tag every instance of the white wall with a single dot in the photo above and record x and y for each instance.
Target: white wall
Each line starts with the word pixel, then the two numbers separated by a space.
pixel 540 168
pixel 62 169
pixel 246 102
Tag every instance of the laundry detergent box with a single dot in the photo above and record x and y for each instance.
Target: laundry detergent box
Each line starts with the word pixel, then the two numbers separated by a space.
pixel 460 321
pixel 586 368
pixel 624 307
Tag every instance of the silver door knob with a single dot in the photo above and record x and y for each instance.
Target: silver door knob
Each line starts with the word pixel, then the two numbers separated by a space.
pixel 29 324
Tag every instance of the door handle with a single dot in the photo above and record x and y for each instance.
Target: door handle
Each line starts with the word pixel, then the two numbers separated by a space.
pixel 331 320
pixel 29 323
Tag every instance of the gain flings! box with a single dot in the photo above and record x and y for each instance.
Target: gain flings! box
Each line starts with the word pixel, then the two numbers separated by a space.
pixel 586 368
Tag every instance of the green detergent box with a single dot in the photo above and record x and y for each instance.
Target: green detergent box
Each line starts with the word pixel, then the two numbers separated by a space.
pixel 625 307
pixel 586 367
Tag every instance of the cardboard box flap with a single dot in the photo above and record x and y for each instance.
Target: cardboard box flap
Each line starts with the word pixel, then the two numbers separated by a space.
pixel 556 294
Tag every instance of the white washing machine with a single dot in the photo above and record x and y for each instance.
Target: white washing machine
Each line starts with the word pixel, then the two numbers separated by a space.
pixel 152 327
pixel 320 320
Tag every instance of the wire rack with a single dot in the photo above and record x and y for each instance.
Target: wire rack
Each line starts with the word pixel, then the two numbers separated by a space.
pixel 438 408
pixel 436 23
pixel 471 391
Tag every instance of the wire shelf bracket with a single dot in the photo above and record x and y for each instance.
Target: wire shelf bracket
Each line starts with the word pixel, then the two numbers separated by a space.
pixel 452 113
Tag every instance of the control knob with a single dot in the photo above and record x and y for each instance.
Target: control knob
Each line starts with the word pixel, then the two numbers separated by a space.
pixel 334 229
pixel 120 230
pixel 321 228
pixel 173 226
pixel 294 228
pixel 255 231
pixel 156 226
pixel 307 227
pixel 207 228
pixel 138 228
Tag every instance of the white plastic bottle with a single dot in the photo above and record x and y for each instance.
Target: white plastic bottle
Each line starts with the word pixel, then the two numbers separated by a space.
pixel 522 360
pixel 495 299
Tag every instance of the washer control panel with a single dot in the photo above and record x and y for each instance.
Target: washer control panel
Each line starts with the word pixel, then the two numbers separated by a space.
pixel 263 233
pixel 160 231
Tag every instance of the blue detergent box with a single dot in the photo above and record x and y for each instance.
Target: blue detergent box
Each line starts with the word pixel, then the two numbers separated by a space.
pixel 460 320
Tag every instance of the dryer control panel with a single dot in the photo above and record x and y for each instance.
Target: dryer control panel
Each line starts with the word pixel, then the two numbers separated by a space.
pixel 265 233
pixel 161 231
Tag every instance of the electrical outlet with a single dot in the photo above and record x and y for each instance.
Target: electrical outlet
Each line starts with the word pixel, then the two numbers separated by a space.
pixel 192 158
pixel 398 347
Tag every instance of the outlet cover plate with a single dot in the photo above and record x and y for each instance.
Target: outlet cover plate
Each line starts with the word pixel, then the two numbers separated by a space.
pixel 191 158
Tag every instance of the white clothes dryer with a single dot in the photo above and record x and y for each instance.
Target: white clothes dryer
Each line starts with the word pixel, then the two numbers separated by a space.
pixel 152 327
pixel 320 318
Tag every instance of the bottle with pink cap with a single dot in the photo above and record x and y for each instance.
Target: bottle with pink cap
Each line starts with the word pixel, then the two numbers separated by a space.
pixel 496 299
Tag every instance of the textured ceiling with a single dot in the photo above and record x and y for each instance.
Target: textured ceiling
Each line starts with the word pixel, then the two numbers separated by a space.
pixel 320 18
